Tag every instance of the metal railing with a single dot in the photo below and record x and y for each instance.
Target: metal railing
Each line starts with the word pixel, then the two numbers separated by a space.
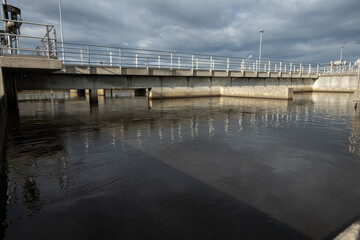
pixel 43 44
pixel 344 67
pixel 97 55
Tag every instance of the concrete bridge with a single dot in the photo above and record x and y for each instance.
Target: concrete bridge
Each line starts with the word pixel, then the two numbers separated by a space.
pixel 159 74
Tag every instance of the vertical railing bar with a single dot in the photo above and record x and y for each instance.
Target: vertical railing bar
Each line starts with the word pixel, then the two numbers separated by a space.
pixel 171 60
pixel 88 51
pixel 136 60
pixel 120 59
pixel 48 40
pixel 111 60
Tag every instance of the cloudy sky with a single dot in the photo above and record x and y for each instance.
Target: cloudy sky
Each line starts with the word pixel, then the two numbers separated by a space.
pixel 298 30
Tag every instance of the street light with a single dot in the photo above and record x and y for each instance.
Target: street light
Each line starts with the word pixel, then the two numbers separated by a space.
pixel 261 33
pixel 341 52
pixel 61 31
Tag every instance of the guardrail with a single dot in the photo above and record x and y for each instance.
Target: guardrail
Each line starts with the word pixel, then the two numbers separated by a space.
pixel 97 55
pixel 43 44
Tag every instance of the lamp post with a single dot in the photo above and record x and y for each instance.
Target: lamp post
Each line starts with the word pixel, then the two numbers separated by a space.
pixel 341 52
pixel 261 33
pixel 61 32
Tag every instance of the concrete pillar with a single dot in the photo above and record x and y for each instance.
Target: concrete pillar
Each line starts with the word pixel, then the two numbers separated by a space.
pixel 101 92
pixel 9 88
pixel 73 93
pixel 93 95
pixel 81 92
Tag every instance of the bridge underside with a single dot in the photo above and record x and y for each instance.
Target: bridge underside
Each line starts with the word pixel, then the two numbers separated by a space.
pixel 168 83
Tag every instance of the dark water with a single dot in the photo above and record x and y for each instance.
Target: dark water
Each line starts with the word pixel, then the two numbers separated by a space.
pixel 207 168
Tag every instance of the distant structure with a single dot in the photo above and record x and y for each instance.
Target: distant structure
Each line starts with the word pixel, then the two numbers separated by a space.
pixel 11 28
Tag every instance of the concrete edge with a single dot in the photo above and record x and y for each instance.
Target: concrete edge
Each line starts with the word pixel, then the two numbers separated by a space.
pixel 3 121
pixel 351 233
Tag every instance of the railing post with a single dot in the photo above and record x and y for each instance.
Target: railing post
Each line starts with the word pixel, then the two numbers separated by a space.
pixel 192 62
pixel 253 67
pixel 265 67
pixel 280 67
pixel 269 67
pixel 179 62
pixel 275 67
pixel 88 52
pixel 111 59
pixel 290 67
pixel 48 40
pixel 55 42
pixel 309 69
pixel 120 59
pixel 197 64
pixel 228 64
pixel 300 67
pixel 81 57
pixel 285 68
pixel 242 65
pixel 210 63
pixel 171 61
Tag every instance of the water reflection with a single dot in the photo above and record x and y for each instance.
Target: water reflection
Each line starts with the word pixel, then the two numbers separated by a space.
pixel 292 163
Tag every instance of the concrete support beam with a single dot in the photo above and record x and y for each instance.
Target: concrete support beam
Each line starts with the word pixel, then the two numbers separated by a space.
pixel 101 92
pixel 81 92
pixel 93 95
pixel 10 78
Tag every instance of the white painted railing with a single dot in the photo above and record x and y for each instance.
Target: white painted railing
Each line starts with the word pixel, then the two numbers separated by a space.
pixel 96 55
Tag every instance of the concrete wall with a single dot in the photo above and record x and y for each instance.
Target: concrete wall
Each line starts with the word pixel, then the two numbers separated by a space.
pixel 171 86
pixel 336 83
pixel 276 92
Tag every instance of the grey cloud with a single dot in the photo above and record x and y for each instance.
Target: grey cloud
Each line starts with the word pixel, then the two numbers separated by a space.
pixel 303 30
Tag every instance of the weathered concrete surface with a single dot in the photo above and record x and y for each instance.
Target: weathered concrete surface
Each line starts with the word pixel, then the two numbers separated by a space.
pixel 336 83
pixel 351 233
pixel 106 70
pixel 276 92
pixel 29 62
pixel 168 86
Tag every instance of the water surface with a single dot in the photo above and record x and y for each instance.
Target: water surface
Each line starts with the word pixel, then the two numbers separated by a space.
pixel 204 168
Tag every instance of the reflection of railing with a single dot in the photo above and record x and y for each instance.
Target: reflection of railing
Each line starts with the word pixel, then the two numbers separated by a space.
pixel 43 44
pixel 90 55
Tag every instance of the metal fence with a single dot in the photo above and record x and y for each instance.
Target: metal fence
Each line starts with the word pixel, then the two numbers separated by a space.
pixel 97 55
pixel 45 44
pixel 40 40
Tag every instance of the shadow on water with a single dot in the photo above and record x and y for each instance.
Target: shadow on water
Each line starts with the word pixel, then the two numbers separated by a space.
pixel 159 202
